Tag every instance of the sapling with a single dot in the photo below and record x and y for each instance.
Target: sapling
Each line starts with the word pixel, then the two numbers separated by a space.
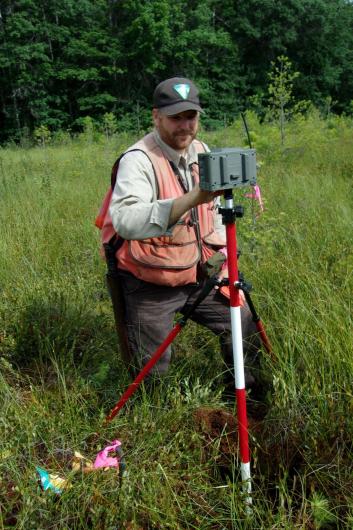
pixel 280 90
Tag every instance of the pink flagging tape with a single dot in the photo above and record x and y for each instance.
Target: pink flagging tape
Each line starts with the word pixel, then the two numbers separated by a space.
pixel 257 196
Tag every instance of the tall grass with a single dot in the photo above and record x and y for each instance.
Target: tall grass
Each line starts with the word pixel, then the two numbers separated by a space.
pixel 61 371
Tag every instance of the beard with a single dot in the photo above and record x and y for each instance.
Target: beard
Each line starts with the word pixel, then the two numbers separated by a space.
pixel 179 140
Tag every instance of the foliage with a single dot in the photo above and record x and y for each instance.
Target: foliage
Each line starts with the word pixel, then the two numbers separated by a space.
pixel 62 61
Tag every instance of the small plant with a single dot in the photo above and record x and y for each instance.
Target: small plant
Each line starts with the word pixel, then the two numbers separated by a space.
pixel 88 128
pixel 42 135
pixel 61 137
pixel 110 124
pixel 320 510
pixel 195 392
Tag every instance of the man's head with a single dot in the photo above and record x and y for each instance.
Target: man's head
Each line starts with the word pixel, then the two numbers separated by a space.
pixel 176 109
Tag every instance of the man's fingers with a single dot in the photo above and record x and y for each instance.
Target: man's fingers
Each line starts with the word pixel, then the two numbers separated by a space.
pixel 222 274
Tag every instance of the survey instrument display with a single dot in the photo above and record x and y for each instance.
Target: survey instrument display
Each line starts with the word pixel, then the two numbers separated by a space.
pixel 226 168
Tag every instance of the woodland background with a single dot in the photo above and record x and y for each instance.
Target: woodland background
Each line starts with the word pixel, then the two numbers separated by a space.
pixel 63 60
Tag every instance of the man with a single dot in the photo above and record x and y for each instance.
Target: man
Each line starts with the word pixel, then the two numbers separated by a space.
pixel 170 229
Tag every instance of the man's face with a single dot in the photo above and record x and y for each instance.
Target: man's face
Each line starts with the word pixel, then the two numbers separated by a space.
pixel 179 130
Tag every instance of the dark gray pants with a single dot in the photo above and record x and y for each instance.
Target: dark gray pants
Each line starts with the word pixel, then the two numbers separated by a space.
pixel 150 312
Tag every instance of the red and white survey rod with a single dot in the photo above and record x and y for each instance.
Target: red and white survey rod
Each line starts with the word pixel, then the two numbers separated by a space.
pixel 229 215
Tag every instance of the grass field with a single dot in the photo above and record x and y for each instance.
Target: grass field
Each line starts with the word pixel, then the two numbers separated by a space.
pixel 60 371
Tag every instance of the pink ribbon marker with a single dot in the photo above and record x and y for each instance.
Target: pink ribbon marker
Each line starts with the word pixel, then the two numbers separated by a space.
pixel 257 196
pixel 104 460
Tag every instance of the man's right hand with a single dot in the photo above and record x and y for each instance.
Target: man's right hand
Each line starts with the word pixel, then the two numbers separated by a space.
pixel 204 196
pixel 193 198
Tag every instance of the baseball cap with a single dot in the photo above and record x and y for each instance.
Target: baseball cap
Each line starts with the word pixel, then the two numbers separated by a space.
pixel 176 95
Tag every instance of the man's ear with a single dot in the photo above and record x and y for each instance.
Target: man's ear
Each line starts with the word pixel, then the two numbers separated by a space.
pixel 155 115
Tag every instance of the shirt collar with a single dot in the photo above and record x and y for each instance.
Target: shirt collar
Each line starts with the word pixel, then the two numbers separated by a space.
pixel 174 156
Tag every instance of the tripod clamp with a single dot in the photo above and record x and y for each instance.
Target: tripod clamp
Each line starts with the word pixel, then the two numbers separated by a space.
pixel 241 284
pixel 209 285
pixel 230 214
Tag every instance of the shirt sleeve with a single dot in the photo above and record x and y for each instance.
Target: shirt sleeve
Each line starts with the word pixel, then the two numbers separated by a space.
pixel 219 227
pixel 135 210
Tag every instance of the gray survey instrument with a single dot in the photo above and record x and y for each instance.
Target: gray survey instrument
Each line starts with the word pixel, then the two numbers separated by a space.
pixel 226 168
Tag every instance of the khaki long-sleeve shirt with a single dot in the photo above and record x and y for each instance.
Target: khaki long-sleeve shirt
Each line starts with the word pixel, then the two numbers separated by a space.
pixel 135 209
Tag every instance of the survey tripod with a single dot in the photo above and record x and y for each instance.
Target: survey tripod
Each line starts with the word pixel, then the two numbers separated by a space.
pixel 236 283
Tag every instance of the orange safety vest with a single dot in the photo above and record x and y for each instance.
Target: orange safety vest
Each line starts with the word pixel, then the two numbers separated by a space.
pixel 169 259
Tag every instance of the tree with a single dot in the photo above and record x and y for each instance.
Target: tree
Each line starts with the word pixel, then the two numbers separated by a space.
pixel 280 90
pixel 61 60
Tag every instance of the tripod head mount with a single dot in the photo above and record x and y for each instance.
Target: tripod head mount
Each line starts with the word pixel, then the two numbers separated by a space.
pixel 229 214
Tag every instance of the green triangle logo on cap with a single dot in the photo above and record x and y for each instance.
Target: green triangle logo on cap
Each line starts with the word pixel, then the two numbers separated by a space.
pixel 182 89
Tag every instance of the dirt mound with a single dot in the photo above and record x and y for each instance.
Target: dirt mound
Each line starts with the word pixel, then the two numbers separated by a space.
pixel 216 422
pixel 219 429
